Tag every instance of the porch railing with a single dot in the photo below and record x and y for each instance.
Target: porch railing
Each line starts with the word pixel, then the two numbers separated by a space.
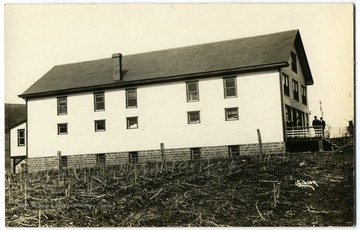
pixel 304 132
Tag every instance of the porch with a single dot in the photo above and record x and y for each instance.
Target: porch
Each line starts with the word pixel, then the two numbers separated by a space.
pixel 304 132
pixel 307 139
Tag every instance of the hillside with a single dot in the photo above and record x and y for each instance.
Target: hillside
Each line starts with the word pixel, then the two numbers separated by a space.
pixel 296 190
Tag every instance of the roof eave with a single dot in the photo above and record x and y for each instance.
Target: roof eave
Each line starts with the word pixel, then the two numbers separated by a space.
pixel 122 84
pixel 303 59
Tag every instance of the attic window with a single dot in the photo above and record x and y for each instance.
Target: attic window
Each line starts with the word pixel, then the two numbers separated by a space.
pixel 293 62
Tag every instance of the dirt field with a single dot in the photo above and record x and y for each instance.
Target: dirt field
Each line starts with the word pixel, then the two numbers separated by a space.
pixel 304 189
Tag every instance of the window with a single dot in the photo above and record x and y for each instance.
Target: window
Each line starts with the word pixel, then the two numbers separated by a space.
pixel 62 129
pixel 133 157
pixel 132 122
pixel 286 84
pixel 21 137
pixel 100 159
pixel 293 62
pixel 230 87
pixel 195 153
pixel 296 90
pixel 303 95
pixel 234 151
pixel 100 126
pixel 63 162
pixel 131 98
pixel 194 117
pixel 23 167
pixel 99 101
pixel 231 114
pixel 192 89
pixel 62 106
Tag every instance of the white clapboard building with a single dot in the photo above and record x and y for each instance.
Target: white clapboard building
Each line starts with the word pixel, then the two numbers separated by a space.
pixel 200 101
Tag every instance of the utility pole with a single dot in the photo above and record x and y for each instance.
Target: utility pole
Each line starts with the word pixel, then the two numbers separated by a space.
pixel 322 113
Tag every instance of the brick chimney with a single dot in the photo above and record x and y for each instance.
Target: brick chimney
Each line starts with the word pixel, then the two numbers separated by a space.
pixel 117 66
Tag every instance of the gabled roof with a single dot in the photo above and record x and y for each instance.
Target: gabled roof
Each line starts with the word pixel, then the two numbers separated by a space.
pixel 221 58
pixel 17 124
pixel 15 114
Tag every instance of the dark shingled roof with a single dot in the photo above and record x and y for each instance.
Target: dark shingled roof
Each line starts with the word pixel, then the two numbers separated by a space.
pixel 252 53
pixel 14 114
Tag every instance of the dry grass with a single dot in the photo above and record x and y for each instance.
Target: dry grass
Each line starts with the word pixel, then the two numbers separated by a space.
pixel 245 191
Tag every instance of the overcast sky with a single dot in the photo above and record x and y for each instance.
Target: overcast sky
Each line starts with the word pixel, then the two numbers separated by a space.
pixel 38 37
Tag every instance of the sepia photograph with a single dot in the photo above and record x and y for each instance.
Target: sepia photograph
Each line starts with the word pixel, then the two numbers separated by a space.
pixel 179 115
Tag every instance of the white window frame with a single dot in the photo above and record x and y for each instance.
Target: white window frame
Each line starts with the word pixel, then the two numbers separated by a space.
pixel 227 110
pixel 189 92
pixel 21 137
pixel 303 95
pixel 232 87
pixel 61 107
pixel 129 119
pixel 286 84
pixel 127 92
pixel 60 126
pixel 296 90
pixel 98 102
pixel 97 123
pixel 190 113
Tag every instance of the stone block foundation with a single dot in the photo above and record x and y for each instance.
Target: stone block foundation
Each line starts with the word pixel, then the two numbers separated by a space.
pixel 177 154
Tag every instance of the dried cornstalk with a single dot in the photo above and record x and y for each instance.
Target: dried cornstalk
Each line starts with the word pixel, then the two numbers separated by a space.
pixel 25 192
pixel 9 188
pixel 77 178
pixel 136 174
pixel 156 194
pixel 257 209
pixel 162 164
pixel 39 218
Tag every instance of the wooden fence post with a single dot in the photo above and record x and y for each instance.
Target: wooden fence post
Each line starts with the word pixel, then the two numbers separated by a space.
pixel 162 151
pixel 59 158
pixel 260 143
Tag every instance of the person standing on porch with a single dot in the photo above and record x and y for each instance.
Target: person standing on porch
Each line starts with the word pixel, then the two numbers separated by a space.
pixel 323 124
pixel 316 123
